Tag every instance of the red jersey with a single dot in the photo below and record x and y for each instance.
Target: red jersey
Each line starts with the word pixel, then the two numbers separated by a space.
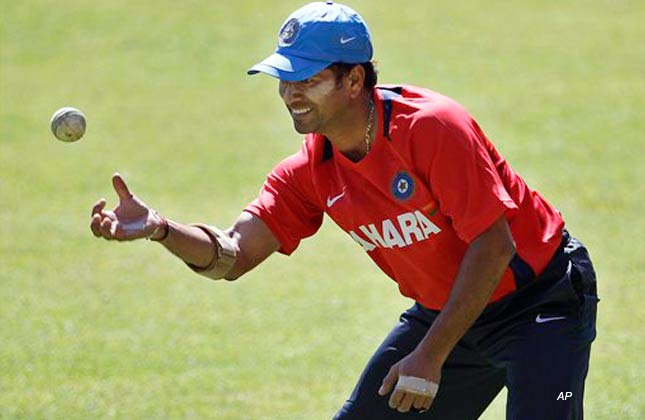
pixel 430 185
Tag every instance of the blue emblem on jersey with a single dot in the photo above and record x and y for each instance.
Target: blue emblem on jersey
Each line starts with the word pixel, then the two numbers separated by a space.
pixel 402 186
pixel 289 32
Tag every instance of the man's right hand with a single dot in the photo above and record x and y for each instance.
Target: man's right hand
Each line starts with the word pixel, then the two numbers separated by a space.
pixel 131 219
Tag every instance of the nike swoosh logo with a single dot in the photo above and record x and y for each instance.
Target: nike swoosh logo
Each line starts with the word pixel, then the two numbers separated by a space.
pixel 332 200
pixel 541 320
pixel 344 40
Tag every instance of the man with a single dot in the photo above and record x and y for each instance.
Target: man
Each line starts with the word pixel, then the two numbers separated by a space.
pixel 504 295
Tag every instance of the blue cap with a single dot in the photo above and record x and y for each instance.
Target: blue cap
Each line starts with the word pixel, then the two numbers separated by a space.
pixel 315 36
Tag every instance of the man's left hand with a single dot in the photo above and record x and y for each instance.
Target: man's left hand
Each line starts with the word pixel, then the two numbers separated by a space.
pixel 417 367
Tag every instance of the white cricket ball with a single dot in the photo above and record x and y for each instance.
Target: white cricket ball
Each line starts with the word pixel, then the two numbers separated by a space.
pixel 68 124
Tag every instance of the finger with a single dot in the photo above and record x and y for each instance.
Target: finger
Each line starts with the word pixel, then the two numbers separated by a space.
pixel 98 206
pixel 117 232
pixel 95 225
pixel 427 403
pixel 406 402
pixel 395 398
pixel 105 228
pixel 389 381
pixel 121 187
pixel 418 402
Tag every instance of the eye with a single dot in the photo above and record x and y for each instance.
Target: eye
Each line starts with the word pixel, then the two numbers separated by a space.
pixel 310 81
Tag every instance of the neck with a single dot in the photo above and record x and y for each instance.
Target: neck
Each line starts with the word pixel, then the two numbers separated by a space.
pixel 350 136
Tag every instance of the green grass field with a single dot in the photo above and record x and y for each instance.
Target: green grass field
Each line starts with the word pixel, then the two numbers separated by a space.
pixel 91 329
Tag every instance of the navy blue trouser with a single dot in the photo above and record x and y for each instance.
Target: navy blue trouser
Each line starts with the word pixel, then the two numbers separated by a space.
pixel 536 342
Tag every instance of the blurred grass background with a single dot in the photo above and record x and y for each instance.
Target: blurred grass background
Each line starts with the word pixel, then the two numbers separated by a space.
pixel 98 330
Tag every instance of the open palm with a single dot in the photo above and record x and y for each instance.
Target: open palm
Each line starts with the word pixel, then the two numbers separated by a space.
pixel 131 218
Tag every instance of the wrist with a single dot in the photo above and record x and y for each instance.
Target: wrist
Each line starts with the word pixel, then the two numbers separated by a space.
pixel 161 231
pixel 433 351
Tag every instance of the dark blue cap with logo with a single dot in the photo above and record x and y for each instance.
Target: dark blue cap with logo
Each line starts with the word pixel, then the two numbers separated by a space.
pixel 315 36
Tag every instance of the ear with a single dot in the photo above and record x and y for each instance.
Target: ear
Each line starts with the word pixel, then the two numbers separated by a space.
pixel 356 80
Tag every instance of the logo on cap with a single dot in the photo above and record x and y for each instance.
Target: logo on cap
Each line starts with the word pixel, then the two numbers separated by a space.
pixel 289 32
pixel 344 40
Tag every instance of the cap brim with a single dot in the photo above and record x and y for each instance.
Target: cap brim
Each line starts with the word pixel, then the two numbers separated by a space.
pixel 291 69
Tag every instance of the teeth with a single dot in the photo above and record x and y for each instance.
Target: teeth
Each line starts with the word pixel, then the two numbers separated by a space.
pixel 300 111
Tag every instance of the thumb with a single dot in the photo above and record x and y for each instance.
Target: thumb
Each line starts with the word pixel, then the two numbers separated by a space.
pixel 121 187
pixel 389 381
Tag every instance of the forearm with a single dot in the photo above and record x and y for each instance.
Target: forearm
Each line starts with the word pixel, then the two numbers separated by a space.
pixel 480 272
pixel 223 254
pixel 190 244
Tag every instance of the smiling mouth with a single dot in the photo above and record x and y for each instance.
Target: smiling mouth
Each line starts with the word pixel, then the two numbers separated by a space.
pixel 300 112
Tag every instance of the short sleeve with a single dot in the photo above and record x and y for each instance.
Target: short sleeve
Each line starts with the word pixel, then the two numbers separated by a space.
pixel 286 205
pixel 461 171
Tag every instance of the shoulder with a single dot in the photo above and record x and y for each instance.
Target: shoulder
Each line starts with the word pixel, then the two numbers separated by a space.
pixel 294 175
pixel 417 110
pixel 423 120
pixel 299 163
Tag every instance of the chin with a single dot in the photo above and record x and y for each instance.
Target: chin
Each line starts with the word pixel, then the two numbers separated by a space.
pixel 302 129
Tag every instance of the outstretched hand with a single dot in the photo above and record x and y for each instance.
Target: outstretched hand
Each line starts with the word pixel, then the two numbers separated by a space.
pixel 131 218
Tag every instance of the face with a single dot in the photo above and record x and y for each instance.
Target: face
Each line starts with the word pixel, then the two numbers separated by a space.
pixel 315 103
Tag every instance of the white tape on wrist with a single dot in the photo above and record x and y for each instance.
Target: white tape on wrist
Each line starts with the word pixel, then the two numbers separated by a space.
pixel 225 254
pixel 419 386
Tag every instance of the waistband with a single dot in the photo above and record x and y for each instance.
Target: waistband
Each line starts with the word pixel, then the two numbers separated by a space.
pixel 550 286
pixel 524 273
pixel 557 287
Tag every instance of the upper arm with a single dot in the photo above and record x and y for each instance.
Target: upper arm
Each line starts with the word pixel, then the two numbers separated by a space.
pixel 281 216
pixel 255 242
pixel 497 239
pixel 287 204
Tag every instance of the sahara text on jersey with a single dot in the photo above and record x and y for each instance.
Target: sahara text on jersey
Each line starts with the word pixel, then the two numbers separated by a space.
pixel 412 227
